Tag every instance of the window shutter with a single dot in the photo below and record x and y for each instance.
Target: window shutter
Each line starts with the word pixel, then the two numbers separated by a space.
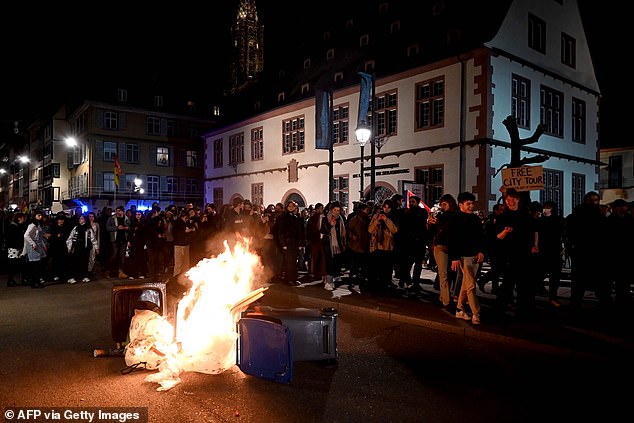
pixel 98 150
pixel 122 157
pixel 163 187
pixel 152 155
pixel 98 182
pixel 121 120
pixel 99 118
pixel 172 162
pixel 164 127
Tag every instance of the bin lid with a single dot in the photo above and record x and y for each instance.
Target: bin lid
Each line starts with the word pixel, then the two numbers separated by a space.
pixel 265 350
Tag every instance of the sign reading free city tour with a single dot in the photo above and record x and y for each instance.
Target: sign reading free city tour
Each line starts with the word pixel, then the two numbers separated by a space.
pixel 525 178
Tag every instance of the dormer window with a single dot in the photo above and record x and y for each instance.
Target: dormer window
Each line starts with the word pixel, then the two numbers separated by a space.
pixel 306 63
pixel 158 101
pixel 413 50
pixel 395 27
pixel 305 88
pixel 280 97
pixel 338 76
pixel 330 54
pixel 364 40
pixel 122 95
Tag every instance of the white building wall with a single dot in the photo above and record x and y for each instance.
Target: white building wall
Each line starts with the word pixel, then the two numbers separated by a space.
pixel 558 19
pixel 481 120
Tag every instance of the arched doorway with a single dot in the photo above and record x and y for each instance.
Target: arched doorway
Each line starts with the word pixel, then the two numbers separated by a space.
pixel 298 199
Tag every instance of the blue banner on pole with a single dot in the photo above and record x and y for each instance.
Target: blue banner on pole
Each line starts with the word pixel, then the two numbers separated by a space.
pixel 322 120
pixel 364 98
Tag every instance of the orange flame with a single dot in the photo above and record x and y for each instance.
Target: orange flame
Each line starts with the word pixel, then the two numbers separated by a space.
pixel 223 287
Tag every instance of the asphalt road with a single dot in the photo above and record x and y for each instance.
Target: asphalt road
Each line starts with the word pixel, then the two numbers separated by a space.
pixel 387 372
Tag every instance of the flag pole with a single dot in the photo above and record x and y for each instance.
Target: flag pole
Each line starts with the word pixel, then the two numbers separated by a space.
pixel 331 152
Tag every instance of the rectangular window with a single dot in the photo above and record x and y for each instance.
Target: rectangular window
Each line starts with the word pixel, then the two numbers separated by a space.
pixel 578 121
pixel 615 172
pixel 109 151
pixel 192 131
pixel 568 50
pixel 340 190
pixel 153 125
pixel 430 103
pixel 340 125
pixel 236 148
pixel 162 156
pixel 293 135
pixel 257 193
pixel 129 182
pixel 553 187
pixel 132 153
pixel 108 182
pixel 257 144
pixel 521 101
pixel 551 111
pixel 218 162
pixel 386 113
pixel 218 198
pixel 191 186
pixel 431 177
pixel 152 186
pixel 171 128
pixel 171 184
pixel 578 189
pixel 122 95
pixel 191 158
pixel 536 33
pixel 111 120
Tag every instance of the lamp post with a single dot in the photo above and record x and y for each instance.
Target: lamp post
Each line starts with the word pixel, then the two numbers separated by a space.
pixel 367 133
pixel 363 133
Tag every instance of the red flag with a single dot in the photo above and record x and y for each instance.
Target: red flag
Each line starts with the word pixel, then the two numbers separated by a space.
pixel 117 169
pixel 421 204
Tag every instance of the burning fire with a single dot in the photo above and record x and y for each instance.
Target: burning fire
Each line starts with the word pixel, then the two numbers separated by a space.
pixel 205 341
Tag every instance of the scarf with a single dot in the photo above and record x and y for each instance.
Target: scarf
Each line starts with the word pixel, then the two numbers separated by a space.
pixel 337 234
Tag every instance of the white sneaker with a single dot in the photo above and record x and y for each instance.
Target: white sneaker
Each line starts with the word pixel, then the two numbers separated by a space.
pixel 356 289
pixel 462 315
pixel 56 278
pixel 85 280
pixel 72 280
pixel 329 286
pixel 141 277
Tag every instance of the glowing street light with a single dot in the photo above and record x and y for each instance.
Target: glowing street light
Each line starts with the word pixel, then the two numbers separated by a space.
pixel 363 133
pixel 70 141
pixel 137 185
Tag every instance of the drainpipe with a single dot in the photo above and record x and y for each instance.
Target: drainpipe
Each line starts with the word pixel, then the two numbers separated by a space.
pixel 461 181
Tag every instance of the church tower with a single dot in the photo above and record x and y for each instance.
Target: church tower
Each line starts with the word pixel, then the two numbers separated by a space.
pixel 248 46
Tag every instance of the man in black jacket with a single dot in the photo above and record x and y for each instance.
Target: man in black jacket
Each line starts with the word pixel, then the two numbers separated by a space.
pixel 466 251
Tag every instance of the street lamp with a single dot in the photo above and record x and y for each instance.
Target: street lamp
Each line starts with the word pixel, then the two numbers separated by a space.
pixel 137 186
pixel 71 142
pixel 363 133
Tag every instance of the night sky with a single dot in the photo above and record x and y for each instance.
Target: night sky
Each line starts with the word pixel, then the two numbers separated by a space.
pixel 46 57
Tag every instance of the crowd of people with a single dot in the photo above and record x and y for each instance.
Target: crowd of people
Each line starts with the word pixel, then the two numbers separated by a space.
pixel 525 244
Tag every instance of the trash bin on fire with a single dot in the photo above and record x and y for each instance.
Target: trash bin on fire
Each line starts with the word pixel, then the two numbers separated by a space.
pixel 313 331
pixel 126 298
